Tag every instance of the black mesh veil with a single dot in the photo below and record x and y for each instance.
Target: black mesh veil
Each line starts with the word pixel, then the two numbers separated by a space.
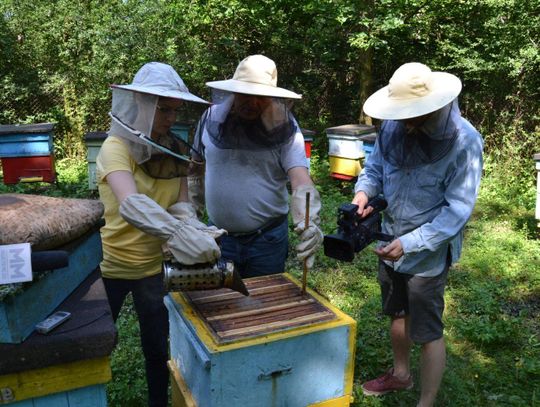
pixel 232 123
pixel 410 148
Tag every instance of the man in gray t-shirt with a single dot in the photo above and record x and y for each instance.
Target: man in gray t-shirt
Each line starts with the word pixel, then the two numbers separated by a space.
pixel 252 146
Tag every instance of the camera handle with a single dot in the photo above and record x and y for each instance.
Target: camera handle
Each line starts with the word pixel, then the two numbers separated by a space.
pixel 382 236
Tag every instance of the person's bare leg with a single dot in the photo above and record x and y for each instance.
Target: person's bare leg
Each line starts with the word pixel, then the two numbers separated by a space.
pixel 401 346
pixel 432 365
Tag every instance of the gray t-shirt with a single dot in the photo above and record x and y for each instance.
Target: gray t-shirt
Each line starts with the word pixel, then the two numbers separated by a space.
pixel 245 188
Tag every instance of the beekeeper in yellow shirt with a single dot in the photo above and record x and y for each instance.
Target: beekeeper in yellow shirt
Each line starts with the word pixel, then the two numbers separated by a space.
pixel 142 172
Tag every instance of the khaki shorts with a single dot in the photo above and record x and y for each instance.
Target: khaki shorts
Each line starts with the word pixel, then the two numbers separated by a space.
pixel 420 298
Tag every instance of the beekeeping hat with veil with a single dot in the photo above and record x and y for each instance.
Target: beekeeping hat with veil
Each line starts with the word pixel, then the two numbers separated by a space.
pixel 415 91
pixel 132 113
pixel 250 111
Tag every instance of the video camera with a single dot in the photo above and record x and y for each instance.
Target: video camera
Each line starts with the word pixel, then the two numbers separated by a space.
pixel 355 233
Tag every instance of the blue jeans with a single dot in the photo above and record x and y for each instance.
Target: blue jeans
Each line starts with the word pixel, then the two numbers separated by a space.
pixel 258 255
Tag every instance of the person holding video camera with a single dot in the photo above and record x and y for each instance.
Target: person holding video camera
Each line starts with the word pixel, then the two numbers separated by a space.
pixel 253 146
pixel 427 163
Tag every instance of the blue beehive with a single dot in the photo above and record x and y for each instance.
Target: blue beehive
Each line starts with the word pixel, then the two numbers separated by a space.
pixel 368 144
pixel 181 130
pixel 277 347
pixel 46 223
pixel 26 140
pixel 26 152
pixel 68 367
pixel 20 313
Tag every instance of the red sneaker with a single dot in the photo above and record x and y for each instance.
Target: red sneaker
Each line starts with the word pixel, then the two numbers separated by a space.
pixel 385 384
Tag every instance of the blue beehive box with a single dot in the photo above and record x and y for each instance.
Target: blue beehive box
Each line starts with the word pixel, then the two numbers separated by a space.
pixel 368 144
pixel 26 140
pixel 277 347
pixel 181 130
pixel 20 312
pixel 68 367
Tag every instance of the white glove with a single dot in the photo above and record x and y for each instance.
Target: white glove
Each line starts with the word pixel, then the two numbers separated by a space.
pixel 189 244
pixel 312 237
pixel 185 211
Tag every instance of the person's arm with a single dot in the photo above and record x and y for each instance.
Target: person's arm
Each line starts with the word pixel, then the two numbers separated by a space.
pixel 369 183
pixel 188 243
pixel 122 184
pixel 299 176
pixel 311 237
pixel 184 208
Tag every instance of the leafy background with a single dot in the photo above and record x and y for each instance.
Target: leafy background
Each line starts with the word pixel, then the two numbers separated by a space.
pixel 58 58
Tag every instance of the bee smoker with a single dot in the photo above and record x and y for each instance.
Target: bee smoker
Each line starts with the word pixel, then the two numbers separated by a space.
pixel 179 277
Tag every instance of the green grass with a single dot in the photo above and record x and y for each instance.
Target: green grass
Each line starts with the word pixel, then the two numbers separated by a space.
pixel 128 387
pixel 492 315
pixel 492 312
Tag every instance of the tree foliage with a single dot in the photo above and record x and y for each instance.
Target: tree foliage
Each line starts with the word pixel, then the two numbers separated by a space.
pixel 59 57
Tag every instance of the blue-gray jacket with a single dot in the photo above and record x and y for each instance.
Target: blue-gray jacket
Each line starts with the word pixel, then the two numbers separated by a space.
pixel 429 205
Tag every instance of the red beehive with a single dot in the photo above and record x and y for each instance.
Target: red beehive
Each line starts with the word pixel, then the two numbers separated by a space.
pixel 28 169
pixel 26 153
pixel 308 140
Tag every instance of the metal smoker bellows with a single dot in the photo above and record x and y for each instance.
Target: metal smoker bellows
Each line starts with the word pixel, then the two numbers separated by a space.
pixel 179 277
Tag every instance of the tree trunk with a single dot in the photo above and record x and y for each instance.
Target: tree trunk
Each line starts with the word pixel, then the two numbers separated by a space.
pixel 366 80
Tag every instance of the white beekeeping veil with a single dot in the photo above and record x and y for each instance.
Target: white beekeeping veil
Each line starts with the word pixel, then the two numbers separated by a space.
pixel 132 113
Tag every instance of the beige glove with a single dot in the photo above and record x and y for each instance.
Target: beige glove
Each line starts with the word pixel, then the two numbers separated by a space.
pixel 185 211
pixel 188 244
pixel 312 237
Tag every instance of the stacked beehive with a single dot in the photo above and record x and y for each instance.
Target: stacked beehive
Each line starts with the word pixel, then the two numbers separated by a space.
pixel 346 149
pixel 27 153
pixel 69 366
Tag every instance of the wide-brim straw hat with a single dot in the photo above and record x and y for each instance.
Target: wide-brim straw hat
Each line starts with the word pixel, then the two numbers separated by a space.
pixel 156 78
pixel 414 90
pixel 255 75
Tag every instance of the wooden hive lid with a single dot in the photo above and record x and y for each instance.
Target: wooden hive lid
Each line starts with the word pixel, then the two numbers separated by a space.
pixel 275 304
pixel 26 128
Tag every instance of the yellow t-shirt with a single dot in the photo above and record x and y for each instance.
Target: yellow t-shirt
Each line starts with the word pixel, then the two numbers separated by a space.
pixel 129 253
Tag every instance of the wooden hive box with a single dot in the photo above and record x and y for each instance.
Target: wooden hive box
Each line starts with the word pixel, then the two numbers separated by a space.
pixel 26 140
pixel 29 169
pixel 47 223
pixel 27 153
pixel 68 367
pixel 93 141
pixel 346 149
pixel 368 143
pixel 276 347
pixel 20 313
